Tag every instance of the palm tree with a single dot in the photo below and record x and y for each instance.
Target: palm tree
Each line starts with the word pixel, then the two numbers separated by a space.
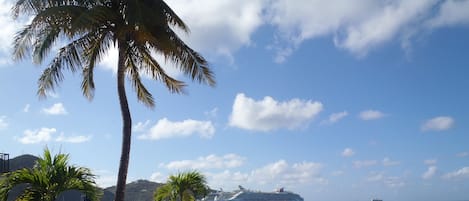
pixel 138 28
pixel 49 178
pixel 187 186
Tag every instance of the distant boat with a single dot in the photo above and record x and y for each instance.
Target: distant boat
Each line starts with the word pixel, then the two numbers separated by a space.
pixel 247 195
pixel 376 200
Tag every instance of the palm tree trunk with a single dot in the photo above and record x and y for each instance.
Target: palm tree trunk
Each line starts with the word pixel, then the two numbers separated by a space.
pixel 127 125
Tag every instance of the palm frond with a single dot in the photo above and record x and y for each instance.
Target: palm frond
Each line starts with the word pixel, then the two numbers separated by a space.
pixel 92 55
pixel 143 94
pixel 152 67
pixel 189 61
pixel 67 57
pixel 22 43
pixel 171 17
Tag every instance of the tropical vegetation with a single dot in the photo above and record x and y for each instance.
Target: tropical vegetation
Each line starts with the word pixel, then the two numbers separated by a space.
pixel 138 28
pixel 51 176
pixel 186 186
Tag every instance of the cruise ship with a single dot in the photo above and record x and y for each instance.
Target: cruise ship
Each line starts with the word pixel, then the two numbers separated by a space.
pixel 247 195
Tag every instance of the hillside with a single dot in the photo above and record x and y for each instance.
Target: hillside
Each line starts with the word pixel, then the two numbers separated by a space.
pixel 140 190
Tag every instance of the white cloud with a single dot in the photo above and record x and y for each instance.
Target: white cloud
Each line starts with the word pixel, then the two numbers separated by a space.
pixel 227 178
pixel 391 20
pixel 348 152
pixel 105 178
pixel 56 109
pixel 388 162
pixel 371 115
pixel 157 177
pixel 335 117
pixel 365 163
pixel 440 123
pixel 73 139
pixel 269 114
pixel 451 12
pixel 273 174
pixel 221 26
pixel 3 122
pixel 300 20
pixel 281 172
pixel 357 26
pixel 37 136
pixel 430 162
pixel 208 162
pixel 458 174
pixel 26 108
pixel 168 129
pixel 9 29
pixel 431 171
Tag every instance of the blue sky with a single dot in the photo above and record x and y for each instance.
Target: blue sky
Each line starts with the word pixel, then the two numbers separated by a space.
pixel 335 100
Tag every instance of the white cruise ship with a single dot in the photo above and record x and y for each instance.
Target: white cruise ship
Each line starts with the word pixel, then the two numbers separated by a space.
pixel 247 195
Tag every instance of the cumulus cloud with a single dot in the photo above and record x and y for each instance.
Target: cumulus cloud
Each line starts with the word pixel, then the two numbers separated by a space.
pixel 72 139
pixel 308 19
pixel 431 171
pixel 458 174
pixel 208 162
pixel 365 163
pixel 269 114
pixel 157 177
pixel 3 122
pixel 357 26
pixel 56 109
pixel 451 12
pixel 391 19
pixel 37 136
pixel 440 123
pixel 221 26
pixel 371 115
pixel 388 162
pixel 284 173
pixel 335 117
pixel 167 129
pixel 348 152
pixel 9 29
pixel 227 178
pixel 276 173
pixel 105 178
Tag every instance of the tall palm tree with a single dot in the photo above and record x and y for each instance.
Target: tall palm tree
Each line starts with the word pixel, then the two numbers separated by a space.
pixel 49 178
pixel 187 186
pixel 137 27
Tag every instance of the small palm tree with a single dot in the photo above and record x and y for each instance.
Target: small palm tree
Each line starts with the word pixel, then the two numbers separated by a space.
pixel 48 179
pixel 187 186
pixel 138 28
